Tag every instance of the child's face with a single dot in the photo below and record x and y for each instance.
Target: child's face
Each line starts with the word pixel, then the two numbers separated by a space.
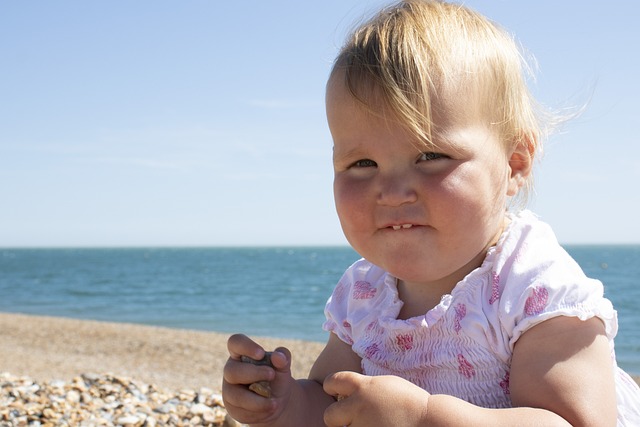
pixel 423 216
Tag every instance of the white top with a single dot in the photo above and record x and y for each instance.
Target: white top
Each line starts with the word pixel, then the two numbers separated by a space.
pixel 463 346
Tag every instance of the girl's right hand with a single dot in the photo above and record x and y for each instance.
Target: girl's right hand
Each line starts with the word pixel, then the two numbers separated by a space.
pixel 243 404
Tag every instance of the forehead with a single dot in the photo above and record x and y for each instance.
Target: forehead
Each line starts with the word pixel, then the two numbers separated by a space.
pixel 363 94
pixel 449 109
pixel 348 113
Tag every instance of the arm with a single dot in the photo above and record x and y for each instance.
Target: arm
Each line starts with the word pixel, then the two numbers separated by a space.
pixel 293 402
pixel 564 365
pixel 391 401
pixel 335 357
pixel 561 375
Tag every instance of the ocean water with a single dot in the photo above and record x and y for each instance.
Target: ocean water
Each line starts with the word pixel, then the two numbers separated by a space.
pixel 277 292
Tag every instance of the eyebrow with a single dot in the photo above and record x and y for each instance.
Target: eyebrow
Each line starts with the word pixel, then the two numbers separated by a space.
pixel 347 154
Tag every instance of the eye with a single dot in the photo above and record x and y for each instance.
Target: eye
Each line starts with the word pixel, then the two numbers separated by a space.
pixel 430 155
pixel 364 163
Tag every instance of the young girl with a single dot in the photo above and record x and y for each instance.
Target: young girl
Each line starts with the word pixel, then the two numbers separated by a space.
pixel 460 312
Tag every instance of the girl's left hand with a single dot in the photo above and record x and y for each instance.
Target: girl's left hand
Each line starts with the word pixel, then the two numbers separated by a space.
pixel 365 401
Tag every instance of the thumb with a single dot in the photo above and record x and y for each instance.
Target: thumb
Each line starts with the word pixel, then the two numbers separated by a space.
pixel 342 384
pixel 283 381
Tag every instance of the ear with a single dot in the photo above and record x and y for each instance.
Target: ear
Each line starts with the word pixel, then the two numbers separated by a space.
pixel 520 163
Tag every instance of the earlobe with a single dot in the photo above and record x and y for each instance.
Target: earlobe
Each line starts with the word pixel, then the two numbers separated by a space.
pixel 520 164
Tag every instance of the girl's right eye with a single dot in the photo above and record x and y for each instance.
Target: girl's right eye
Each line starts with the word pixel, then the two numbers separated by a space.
pixel 364 163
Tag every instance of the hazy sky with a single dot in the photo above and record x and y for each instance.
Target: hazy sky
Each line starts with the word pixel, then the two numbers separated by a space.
pixel 202 122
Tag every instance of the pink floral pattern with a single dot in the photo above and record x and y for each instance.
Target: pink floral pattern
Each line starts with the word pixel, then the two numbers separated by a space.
pixel 371 351
pixel 461 311
pixel 363 290
pixel 504 384
pixel 405 341
pixel 495 287
pixel 371 326
pixel 465 368
pixel 537 302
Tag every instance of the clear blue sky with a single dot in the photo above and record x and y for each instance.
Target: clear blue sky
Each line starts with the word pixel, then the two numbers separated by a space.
pixel 135 123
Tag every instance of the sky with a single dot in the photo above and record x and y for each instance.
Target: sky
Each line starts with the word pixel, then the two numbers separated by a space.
pixel 202 123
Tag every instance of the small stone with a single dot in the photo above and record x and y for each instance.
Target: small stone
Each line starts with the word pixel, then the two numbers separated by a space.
pixel 266 360
pixel 73 396
pixel 209 417
pixel 129 420
pixel 164 409
pixel 263 388
pixel 199 409
pixel 102 400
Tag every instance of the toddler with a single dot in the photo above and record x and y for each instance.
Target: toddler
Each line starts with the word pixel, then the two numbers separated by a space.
pixel 463 310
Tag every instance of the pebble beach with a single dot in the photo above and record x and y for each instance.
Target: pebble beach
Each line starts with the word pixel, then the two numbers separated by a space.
pixel 66 372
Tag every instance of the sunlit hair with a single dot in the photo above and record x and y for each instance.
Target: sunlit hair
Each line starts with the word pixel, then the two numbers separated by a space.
pixel 402 60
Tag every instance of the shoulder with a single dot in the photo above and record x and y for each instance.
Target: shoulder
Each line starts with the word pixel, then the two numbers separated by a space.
pixel 529 254
pixel 364 291
pixel 538 280
pixel 524 239
pixel 364 270
pixel 361 281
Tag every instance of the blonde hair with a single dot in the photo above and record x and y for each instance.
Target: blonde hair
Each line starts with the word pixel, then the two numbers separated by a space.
pixel 413 51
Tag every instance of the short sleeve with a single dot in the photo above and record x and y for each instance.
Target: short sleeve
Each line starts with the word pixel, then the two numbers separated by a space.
pixel 541 281
pixel 362 294
pixel 335 312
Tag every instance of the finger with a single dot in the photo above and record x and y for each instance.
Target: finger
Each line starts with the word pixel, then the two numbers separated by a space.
pixel 240 396
pixel 245 405
pixel 281 359
pixel 237 372
pixel 281 362
pixel 341 384
pixel 241 345
pixel 339 414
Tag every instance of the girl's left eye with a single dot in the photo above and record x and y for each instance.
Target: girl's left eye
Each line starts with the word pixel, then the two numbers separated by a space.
pixel 365 163
pixel 427 156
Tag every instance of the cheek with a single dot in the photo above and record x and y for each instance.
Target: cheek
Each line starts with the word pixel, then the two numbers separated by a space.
pixel 473 190
pixel 344 196
pixel 351 202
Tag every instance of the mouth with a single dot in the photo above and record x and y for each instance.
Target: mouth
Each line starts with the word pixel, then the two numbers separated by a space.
pixel 402 226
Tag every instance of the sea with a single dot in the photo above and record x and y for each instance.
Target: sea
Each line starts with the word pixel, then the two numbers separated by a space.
pixel 262 291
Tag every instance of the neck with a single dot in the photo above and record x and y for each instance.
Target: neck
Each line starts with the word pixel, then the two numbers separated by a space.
pixel 419 298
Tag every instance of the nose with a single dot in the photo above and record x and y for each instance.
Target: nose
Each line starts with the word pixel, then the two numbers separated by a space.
pixel 396 190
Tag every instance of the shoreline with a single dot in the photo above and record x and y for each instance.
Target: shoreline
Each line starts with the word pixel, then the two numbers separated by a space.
pixel 46 348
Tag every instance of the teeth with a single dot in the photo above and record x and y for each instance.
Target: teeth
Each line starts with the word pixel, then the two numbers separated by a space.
pixel 398 227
